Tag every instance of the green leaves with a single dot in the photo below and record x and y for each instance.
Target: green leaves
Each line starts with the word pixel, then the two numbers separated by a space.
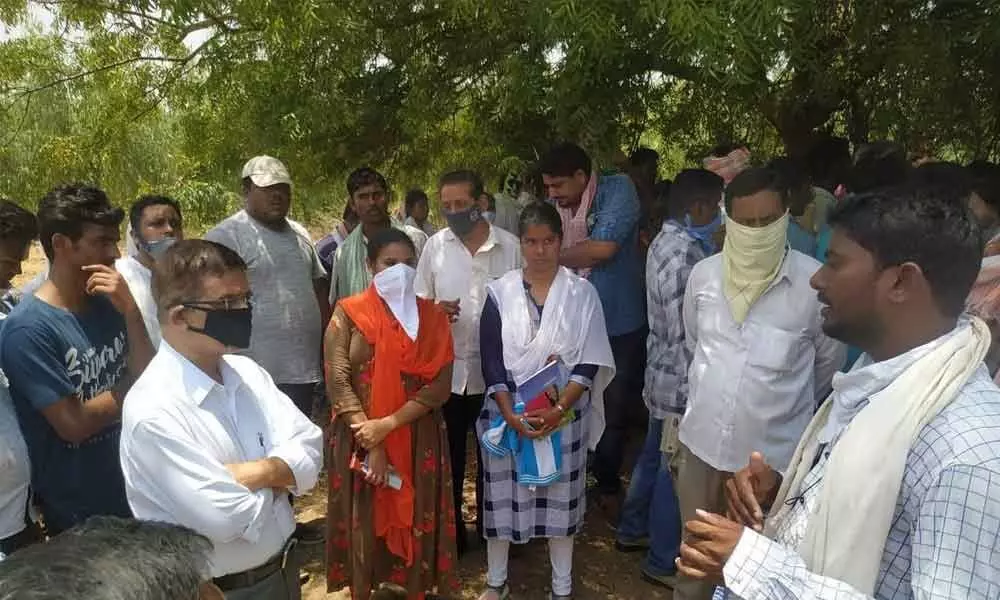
pixel 176 94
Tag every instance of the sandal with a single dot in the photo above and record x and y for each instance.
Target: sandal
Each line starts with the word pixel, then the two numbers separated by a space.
pixel 495 593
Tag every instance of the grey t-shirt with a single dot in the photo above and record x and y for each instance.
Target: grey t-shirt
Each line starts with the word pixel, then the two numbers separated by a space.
pixel 282 266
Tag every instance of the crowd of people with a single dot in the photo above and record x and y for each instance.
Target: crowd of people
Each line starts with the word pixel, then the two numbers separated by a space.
pixel 808 345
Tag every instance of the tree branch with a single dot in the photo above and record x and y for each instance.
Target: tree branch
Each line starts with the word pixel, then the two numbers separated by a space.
pixel 182 61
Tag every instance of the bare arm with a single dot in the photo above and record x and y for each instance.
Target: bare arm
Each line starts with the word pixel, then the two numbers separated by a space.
pixel 588 254
pixel 571 393
pixel 140 349
pixel 75 421
pixel 264 473
pixel 322 289
pixel 109 283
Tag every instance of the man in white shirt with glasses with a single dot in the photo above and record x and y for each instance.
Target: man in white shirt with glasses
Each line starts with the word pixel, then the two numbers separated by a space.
pixel 208 439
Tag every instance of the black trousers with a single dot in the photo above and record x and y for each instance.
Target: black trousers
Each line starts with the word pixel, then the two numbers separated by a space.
pixel 460 414
pixel 31 534
pixel 622 405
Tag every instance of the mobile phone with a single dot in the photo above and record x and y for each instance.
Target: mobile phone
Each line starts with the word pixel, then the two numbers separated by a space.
pixel 392 479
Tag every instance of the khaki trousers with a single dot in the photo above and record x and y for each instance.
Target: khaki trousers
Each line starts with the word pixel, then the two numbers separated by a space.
pixel 698 486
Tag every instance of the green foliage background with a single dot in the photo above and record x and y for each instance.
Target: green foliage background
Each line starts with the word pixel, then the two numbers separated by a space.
pixel 173 95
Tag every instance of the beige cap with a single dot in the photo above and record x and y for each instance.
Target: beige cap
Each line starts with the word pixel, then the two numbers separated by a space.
pixel 266 171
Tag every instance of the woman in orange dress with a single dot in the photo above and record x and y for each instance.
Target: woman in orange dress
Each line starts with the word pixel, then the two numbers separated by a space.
pixel 389 362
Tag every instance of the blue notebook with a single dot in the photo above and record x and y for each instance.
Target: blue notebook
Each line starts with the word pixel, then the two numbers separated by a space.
pixel 541 390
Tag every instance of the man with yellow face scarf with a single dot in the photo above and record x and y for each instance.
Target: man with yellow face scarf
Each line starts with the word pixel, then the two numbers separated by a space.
pixel 761 362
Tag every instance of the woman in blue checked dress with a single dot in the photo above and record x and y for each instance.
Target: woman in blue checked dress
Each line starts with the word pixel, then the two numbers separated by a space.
pixel 537 487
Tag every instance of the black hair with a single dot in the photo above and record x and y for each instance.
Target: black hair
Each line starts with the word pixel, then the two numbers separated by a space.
pixel 539 213
pixel 986 182
pixel 950 176
pixel 926 225
pixel 794 178
pixel 695 186
pixel 178 275
pixel 828 162
pixel 564 160
pixel 662 207
pixel 362 177
pixel 17 225
pixel 476 186
pixel 67 208
pixel 876 165
pixel 643 156
pixel 109 558
pixel 792 172
pixel 753 180
pixel 144 202
pixel 413 197
pixel 387 237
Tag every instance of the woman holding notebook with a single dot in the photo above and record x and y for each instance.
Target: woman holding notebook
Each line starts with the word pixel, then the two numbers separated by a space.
pixel 536 459
pixel 390 517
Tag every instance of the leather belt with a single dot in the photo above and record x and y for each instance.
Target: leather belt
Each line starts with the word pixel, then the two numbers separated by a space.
pixel 251 577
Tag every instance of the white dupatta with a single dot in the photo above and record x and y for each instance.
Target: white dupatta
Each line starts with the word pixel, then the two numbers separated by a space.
pixel 572 327
pixel 847 531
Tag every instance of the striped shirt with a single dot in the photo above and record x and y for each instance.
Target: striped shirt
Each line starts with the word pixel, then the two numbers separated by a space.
pixel 671 257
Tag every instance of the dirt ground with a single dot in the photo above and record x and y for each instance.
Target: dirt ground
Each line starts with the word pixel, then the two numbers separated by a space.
pixel 599 571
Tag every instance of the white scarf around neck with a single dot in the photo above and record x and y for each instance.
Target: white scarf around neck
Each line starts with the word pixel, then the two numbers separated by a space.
pixel 572 327
pixel 848 527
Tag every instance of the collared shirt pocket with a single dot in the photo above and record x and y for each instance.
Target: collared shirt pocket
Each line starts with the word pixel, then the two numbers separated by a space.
pixel 773 348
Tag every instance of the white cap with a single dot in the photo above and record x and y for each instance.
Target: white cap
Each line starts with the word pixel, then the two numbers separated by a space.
pixel 266 171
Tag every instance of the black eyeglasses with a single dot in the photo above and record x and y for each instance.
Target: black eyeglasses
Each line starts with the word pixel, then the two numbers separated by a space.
pixel 220 304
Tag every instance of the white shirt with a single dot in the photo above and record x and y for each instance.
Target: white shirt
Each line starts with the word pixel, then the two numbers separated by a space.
pixel 140 283
pixel 448 271
pixel 179 430
pixel 15 469
pixel 755 386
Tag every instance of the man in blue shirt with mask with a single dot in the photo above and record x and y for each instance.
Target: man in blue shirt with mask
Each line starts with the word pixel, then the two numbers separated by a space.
pixel 600 223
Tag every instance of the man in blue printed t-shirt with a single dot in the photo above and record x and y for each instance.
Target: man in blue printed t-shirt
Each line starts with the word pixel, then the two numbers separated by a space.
pixel 70 352
pixel 600 223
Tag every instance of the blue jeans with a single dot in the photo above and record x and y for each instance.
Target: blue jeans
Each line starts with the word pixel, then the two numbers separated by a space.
pixel 651 508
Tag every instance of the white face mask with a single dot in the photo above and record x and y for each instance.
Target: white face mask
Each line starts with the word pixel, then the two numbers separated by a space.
pixel 395 286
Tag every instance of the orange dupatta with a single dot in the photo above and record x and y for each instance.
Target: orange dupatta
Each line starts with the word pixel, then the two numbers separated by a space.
pixel 395 354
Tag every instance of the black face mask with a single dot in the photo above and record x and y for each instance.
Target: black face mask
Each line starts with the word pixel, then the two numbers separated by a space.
pixel 230 327
pixel 463 222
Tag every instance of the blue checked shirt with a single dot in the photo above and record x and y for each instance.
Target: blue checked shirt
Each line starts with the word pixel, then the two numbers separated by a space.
pixel 671 257
pixel 944 542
